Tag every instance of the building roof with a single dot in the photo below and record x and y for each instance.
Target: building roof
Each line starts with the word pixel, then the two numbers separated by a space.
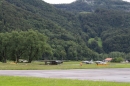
pixel 108 59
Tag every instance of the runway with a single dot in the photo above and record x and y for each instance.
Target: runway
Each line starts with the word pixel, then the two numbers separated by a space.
pixel 115 75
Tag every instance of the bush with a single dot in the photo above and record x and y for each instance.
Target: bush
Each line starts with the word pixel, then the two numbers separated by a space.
pixel 118 59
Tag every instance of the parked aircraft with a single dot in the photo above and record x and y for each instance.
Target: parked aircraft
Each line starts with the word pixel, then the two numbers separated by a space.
pixel 100 62
pixel 88 62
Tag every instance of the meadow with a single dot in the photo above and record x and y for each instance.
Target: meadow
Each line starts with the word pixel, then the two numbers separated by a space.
pixel 36 65
pixel 31 81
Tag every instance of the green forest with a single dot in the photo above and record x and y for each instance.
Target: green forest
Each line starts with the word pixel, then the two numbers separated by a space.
pixel 82 30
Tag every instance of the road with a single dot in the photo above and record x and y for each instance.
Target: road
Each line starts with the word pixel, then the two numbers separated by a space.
pixel 116 75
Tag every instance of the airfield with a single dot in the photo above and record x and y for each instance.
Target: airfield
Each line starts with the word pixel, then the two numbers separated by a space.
pixel 112 74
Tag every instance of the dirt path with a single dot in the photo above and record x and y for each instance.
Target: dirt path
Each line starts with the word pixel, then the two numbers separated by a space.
pixel 117 75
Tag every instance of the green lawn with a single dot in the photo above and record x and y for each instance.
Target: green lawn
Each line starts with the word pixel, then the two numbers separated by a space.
pixel 66 65
pixel 31 81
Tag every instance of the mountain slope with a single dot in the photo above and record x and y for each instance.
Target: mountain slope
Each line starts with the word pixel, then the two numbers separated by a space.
pixel 62 28
pixel 111 26
pixel 69 33
pixel 104 19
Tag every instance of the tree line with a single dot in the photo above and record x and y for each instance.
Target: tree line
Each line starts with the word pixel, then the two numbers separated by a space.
pixel 32 45
pixel 27 45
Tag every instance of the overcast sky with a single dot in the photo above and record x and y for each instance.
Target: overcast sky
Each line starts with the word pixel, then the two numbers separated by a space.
pixel 64 1
pixel 127 0
pixel 58 1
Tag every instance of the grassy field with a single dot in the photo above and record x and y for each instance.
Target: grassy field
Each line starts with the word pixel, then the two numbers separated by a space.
pixel 66 65
pixel 31 81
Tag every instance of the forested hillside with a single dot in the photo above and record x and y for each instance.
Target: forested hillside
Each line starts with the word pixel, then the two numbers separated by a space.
pixel 62 28
pixel 106 22
pixel 68 35
pixel 111 26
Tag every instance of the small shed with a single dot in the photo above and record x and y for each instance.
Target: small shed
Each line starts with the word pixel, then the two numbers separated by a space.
pixel 108 59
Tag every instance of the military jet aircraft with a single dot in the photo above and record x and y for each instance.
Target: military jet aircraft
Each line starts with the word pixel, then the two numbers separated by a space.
pixel 100 62
pixel 88 62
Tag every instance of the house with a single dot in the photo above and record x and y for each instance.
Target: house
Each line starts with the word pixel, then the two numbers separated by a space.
pixel 108 59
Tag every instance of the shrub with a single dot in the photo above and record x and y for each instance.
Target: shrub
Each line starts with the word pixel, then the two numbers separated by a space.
pixel 118 59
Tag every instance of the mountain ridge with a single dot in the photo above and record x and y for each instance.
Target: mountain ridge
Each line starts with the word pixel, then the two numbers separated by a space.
pixel 92 5
pixel 69 32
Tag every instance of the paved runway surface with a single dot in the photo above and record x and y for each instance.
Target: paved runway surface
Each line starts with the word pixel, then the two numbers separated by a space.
pixel 116 75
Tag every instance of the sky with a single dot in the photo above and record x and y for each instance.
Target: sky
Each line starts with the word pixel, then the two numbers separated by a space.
pixel 58 1
pixel 64 1
pixel 127 0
